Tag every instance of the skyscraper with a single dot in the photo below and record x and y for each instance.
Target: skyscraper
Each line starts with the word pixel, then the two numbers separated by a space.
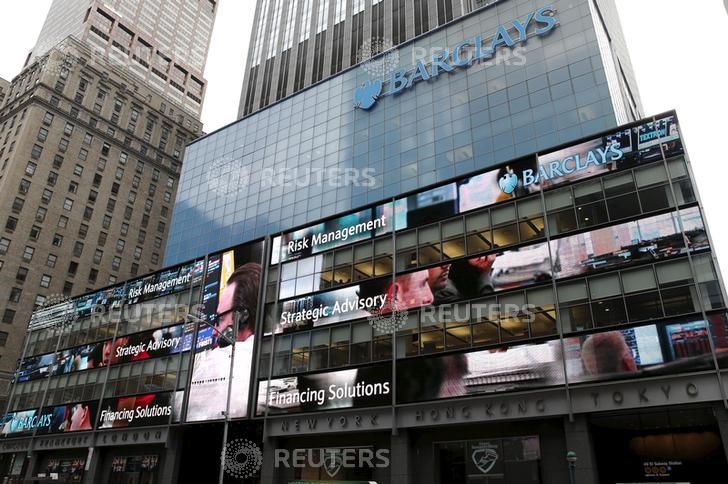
pixel 92 133
pixel 163 43
pixel 296 43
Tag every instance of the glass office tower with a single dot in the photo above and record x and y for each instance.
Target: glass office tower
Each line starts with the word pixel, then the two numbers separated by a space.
pixel 470 331
pixel 504 93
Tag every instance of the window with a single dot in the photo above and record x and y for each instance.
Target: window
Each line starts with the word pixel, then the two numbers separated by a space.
pixel 52 179
pixel 120 245
pixel 160 227
pixel 72 268
pixel 155 258
pixel 78 170
pixel 87 138
pixel 4 245
pixel 134 269
pixel 155 175
pixel 106 222
pixel 11 224
pixel 28 253
pixel 102 239
pixel 18 204
pixel 42 134
pixel 73 187
pixel 30 168
pixel 148 205
pixel 93 275
pixel 24 186
pixel 22 274
pixel 68 130
pixel 48 118
pixel 15 294
pixel 3 338
pixel 124 228
pixel 82 231
pixel 97 180
pixel 128 212
pixel 119 173
pixel 116 263
pixel 45 281
pixel 40 301
pixel 142 236
pixel 51 260
pixel 34 232
pixel 132 196
pixel 67 204
pixel 105 149
pixel 83 154
pixel 62 222
pixel 157 242
pixel 40 214
pixel 63 145
pixel 46 196
pixel 98 255
pixel 38 150
pixel 101 165
pixel 137 252
pixel 136 181
pixel 140 167
pixel 167 197
pixel 92 196
pixel 8 316
pixel 67 288
pixel 170 182
pixel 88 212
pixel 123 157
pixel 57 161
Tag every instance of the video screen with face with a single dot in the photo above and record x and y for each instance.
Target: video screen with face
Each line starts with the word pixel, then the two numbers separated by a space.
pixel 645 240
pixel 229 299
pixel 647 350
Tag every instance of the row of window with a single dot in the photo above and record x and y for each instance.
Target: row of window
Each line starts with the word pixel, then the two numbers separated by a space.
pixel 625 195
pixel 621 297
pixel 147 376
pixel 156 313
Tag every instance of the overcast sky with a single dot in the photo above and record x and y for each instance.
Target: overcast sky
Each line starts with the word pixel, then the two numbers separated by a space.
pixel 678 51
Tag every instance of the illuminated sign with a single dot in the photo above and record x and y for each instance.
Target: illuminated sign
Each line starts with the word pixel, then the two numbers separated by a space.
pixel 463 55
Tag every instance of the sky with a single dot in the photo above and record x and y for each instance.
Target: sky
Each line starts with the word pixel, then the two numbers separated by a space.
pixel 678 54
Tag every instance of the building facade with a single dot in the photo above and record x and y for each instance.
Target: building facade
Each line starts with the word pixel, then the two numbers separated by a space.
pixel 163 44
pixel 4 86
pixel 510 94
pixel 90 160
pixel 471 331
pixel 299 43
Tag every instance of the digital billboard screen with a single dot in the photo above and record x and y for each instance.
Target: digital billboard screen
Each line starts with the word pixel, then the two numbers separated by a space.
pixel 71 417
pixel 368 386
pixel 645 240
pixel 138 410
pixel 154 343
pixel 231 289
pixel 646 350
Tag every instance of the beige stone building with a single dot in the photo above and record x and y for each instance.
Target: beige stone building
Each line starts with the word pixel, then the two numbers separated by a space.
pixel 90 159
pixel 4 86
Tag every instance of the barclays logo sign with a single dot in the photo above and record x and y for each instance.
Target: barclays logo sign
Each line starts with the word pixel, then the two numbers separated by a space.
pixel 462 56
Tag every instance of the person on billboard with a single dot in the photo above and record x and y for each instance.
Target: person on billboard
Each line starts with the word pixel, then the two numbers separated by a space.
pixel 607 354
pixel 473 275
pixel 239 299
pixel 79 418
pixel 408 291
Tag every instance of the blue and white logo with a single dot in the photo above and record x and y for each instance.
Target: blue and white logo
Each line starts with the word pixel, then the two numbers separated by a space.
pixel 508 182
pixel 464 54
pixel 367 94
